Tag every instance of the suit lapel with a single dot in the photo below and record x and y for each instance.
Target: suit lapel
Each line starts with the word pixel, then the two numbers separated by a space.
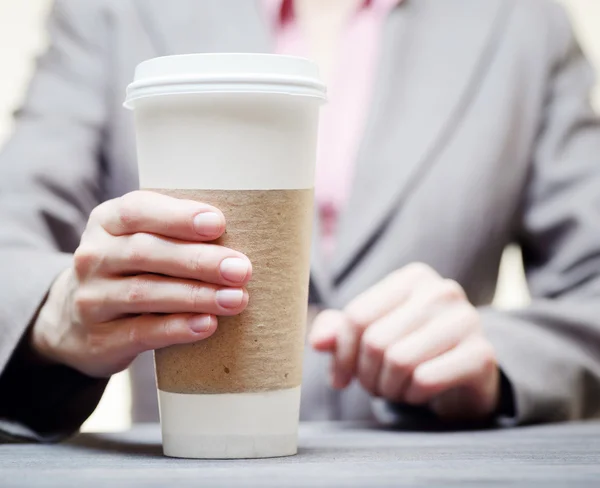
pixel 433 55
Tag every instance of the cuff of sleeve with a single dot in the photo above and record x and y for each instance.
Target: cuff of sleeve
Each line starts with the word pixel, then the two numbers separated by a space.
pixel 522 351
pixel 505 415
pixel 39 402
pixel 44 402
pixel 421 417
pixel 509 358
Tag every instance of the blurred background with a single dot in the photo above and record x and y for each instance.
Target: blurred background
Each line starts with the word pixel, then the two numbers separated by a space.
pixel 22 38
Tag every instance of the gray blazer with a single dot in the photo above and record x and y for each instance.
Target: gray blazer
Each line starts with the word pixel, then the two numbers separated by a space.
pixel 480 134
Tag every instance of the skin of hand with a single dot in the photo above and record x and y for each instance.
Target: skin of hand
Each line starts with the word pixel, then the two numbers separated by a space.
pixel 145 276
pixel 413 338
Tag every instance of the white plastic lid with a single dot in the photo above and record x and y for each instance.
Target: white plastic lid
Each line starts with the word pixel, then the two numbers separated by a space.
pixel 226 73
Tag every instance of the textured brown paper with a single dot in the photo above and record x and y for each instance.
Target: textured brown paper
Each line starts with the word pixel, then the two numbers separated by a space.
pixel 261 349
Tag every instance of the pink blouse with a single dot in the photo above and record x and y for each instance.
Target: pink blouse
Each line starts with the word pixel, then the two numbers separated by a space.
pixel 343 118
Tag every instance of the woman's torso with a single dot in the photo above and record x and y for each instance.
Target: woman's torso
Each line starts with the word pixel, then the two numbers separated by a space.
pixel 442 168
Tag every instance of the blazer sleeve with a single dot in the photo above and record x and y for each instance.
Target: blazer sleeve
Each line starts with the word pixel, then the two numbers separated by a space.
pixel 550 351
pixel 50 180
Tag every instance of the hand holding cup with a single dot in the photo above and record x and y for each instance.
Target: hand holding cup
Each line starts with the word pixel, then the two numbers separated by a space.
pixel 146 276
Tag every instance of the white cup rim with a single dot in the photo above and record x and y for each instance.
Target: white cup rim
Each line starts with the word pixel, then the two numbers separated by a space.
pixel 226 73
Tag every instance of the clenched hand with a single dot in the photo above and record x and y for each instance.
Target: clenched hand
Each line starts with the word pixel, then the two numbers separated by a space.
pixel 413 338
pixel 144 277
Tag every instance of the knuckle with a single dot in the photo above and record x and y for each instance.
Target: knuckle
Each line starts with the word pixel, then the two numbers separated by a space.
pixel 446 291
pixel 197 263
pixel 470 317
pixel 357 326
pixel 134 335
pixel 97 214
pixel 169 330
pixel 83 303
pixel 452 290
pixel 197 298
pixel 85 259
pixel 397 361
pixel 418 270
pixel 94 347
pixel 372 346
pixel 96 343
pixel 465 319
pixel 326 317
pixel 421 381
pixel 128 211
pixel 138 337
pixel 137 290
pixel 356 316
pixel 399 273
pixel 487 354
pixel 140 249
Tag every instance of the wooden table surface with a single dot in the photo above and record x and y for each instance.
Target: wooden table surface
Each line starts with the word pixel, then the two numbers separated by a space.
pixel 331 454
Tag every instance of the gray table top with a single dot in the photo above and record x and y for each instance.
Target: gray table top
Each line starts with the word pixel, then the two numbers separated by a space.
pixel 331 454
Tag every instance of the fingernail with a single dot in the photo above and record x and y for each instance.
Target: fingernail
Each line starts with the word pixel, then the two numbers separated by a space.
pixel 208 224
pixel 234 269
pixel 230 298
pixel 201 324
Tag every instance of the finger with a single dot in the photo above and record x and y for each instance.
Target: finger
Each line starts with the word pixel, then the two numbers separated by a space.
pixel 127 338
pixel 381 335
pixel 368 307
pixel 435 337
pixel 389 293
pixel 325 329
pixel 343 366
pixel 154 213
pixel 149 253
pixel 143 294
pixel 468 364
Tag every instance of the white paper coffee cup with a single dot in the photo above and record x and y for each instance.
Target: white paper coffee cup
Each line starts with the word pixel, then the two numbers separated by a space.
pixel 224 123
